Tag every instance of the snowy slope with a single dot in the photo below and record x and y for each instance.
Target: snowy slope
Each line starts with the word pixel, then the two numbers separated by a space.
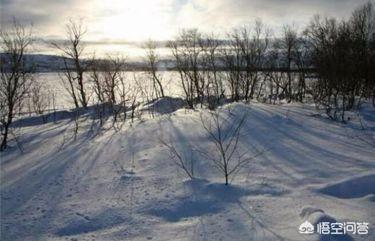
pixel 122 185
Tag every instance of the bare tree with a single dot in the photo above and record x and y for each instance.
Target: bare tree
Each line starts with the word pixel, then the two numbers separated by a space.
pixel 152 59
pixel 343 55
pixel 233 64
pixel 112 73
pixel 254 45
pixel 146 91
pixel 97 79
pixel 181 65
pixel 289 45
pixel 15 74
pixel 362 25
pixel 243 59
pixel 39 99
pixel 107 84
pixel 214 89
pixel 302 61
pixel 72 51
pixel 124 91
pixel 277 82
pixel 185 161
pixel 186 49
pixel 135 95
pixel 225 136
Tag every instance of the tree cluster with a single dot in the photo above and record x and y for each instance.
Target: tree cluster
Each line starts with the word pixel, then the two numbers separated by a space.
pixel 343 54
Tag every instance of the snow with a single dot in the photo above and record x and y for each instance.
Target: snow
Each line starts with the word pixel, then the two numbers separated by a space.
pixel 166 105
pixel 352 188
pixel 123 185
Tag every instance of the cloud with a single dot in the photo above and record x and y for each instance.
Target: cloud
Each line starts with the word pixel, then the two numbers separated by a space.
pixel 47 17
pixel 222 15
pixel 132 19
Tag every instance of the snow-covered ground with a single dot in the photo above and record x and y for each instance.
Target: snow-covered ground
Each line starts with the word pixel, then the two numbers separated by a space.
pixel 123 185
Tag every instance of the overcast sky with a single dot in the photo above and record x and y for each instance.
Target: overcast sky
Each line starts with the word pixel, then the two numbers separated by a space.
pixel 133 20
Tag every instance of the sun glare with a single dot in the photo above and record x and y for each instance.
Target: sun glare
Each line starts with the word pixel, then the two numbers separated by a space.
pixel 132 20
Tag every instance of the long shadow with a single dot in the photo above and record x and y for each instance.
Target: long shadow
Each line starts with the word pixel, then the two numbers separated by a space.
pixel 106 219
pixel 46 180
pixel 257 225
pixel 45 177
pixel 339 129
pixel 206 198
pixel 293 131
pixel 299 159
pixel 166 105
pixel 90 111
pixel 190 142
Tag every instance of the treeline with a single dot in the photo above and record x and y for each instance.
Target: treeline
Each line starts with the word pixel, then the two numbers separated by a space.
pixel 343 53
pixel 331 62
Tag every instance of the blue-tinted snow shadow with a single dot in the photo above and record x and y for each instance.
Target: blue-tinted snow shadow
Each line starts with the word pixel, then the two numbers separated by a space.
pixel 60 115
pixel 332 237
pixel 290 141
pixel 203 197
pixel 165 105
pixel 106 219
pixel 351 188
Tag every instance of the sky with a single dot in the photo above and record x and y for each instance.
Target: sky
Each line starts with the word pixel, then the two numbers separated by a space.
pixel 138 20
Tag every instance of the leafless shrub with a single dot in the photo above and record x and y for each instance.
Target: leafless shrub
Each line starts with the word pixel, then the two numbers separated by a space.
pixel 214 89
pixel 186 163
pixel 224 136
pixel 124 93
pixel 243 59
pixel 134 102
pixel 289 48
pixel 39 98
pixel 343 54
pixel 186 50
pixel 152 59
pixel 74 68
pixel 145 91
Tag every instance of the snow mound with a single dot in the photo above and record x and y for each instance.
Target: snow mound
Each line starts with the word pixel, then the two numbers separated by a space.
pixel 165 105
pixel 370 198
pixel 352 188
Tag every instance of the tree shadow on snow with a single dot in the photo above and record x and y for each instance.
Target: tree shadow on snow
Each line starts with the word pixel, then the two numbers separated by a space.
pixel 204 198
pixel 165 105
pixel 83 224
pixel 351 188
pixel 92 112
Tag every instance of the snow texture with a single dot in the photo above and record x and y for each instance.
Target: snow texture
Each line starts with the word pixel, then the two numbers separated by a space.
pixel 123 185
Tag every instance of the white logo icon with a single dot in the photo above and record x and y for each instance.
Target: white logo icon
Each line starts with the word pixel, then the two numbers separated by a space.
pixel 306 228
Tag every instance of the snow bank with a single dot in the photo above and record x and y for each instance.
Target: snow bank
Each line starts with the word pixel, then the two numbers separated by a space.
pixel 353 187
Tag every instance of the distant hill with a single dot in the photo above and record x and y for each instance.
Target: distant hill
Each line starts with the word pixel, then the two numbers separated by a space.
pixel 40 62
pixel 53 63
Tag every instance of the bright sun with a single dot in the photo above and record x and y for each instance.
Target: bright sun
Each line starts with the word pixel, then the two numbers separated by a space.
pixel 132 20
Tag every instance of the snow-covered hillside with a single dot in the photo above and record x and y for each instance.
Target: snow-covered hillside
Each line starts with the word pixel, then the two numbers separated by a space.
pixel 123 184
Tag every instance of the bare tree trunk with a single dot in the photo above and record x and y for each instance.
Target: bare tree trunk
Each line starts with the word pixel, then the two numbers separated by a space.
pixel 72 50
pixel 152 58
pixel 15 78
